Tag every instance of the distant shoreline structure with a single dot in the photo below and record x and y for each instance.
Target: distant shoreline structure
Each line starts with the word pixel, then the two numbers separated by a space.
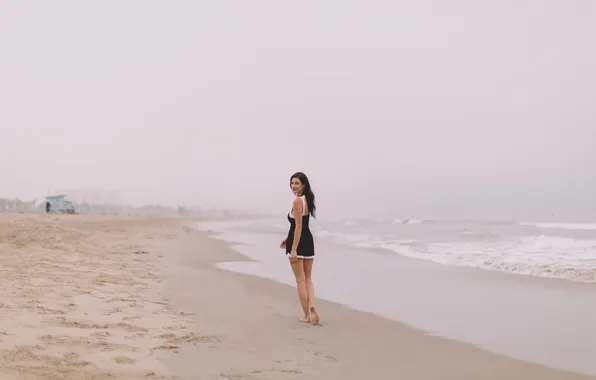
pixel 38 205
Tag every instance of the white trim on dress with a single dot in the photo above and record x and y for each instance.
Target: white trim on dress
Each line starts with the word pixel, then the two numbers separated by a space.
pixel 302 257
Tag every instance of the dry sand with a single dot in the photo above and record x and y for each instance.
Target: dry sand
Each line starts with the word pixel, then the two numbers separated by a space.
pixel 139 298
pixel 81 298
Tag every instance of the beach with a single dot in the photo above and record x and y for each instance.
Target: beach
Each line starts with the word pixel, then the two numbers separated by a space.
pixel 107 297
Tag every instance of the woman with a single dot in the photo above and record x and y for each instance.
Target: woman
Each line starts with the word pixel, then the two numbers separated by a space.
pixel 299 244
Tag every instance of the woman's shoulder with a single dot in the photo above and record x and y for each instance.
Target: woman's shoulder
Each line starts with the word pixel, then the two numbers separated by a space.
pixel 298 202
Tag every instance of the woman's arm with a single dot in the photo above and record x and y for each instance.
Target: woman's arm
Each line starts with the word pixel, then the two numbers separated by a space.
pixel 297 232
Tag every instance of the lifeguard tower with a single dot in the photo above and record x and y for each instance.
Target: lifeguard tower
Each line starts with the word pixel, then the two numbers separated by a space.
pixel 59 204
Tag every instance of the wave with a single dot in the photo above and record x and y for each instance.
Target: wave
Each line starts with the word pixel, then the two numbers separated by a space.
pixel 407 221
pixel 542 255
pixel 473 245
pixel 563 226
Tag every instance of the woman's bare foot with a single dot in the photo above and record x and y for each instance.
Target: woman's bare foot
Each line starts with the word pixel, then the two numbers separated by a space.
pixel 305 319
pixel 315 316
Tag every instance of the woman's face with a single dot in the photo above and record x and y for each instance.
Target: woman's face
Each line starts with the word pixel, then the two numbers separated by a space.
pixel 297 186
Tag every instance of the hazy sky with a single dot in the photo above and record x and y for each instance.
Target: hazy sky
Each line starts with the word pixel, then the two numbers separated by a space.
pixel 428 109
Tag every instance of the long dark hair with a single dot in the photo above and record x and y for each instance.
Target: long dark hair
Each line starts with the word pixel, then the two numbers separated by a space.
pixel 308 194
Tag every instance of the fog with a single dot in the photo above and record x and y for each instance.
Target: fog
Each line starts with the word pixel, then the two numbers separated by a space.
pixel 422 109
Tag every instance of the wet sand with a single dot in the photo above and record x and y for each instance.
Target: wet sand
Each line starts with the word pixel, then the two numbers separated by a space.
pixel 257 335
pixel 540 320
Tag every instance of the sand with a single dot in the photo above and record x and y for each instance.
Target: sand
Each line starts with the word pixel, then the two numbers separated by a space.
pixel 81 298
pixel 139 298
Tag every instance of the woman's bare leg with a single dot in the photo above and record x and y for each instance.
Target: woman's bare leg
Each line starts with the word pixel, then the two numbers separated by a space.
pixel 298 269
pixel 310 289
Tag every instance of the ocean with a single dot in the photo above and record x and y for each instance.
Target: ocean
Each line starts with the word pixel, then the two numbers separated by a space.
pixel 521 289
pixel 556 250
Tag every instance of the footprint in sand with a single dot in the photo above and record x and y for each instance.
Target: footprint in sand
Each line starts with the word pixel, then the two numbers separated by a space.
pixel 63 322
pixel 188 338
pixel 21 355
pixel 329 358
pixel 131 328
pixel 101 334
pixel 124 360
pixel 44 310
pixel 70 341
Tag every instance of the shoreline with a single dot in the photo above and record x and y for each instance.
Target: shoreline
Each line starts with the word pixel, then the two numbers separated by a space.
pixel 539 320
pixel 584 275
pixel 269 311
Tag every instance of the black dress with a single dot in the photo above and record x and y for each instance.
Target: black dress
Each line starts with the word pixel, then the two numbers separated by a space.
pixel 306 245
